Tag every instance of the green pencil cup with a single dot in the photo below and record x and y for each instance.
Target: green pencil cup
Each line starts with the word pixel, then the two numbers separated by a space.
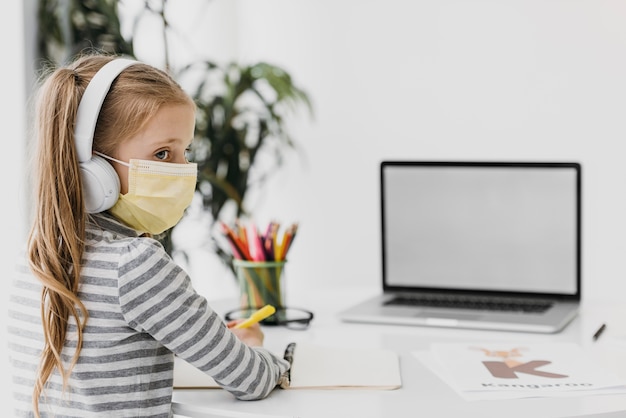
pixel 260 283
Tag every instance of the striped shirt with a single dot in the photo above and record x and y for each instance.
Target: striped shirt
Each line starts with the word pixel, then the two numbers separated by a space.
pixel 142 310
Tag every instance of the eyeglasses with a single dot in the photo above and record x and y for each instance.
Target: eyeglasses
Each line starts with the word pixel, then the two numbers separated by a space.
pixel 292 318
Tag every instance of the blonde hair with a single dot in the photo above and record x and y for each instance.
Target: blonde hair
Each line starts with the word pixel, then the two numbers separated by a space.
pixel 56 241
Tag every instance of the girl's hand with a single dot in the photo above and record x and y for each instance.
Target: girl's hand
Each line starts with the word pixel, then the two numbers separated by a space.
pixel 251 336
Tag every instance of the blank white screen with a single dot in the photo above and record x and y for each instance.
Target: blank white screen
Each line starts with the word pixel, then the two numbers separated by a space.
pixel 482 228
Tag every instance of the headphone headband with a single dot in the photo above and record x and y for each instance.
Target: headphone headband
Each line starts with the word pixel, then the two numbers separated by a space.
pixel 101 184
pixel 90 104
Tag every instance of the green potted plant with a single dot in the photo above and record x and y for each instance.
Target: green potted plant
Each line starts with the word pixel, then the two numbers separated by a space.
pixel 241 108
pixel 234 126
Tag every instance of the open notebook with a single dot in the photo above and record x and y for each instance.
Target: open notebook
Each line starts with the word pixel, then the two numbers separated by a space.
pixel 489 245
pixel 317 367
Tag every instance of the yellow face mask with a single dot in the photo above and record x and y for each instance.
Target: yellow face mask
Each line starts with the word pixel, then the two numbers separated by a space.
pixel 158 194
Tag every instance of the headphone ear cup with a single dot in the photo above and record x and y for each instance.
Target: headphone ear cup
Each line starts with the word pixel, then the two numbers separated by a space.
pixel 101 184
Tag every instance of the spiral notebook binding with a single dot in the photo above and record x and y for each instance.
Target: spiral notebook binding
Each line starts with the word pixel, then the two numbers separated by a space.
pixel 285 379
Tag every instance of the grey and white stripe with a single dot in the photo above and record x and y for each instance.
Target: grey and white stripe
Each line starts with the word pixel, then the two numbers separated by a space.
pixel 142 310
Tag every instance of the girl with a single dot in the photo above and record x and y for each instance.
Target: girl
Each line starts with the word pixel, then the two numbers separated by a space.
pixel 99 309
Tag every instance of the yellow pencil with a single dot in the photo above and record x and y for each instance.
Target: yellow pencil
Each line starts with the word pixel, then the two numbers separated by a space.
pixel 257 316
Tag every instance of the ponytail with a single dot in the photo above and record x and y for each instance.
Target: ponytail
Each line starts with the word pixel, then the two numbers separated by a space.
pixel 56 240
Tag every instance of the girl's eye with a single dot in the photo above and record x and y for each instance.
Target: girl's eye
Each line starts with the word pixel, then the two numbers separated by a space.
pixel 162 155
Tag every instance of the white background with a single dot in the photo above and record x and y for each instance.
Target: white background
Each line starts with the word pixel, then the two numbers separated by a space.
pixel 12 113
pixel 426 79
pixel 475 80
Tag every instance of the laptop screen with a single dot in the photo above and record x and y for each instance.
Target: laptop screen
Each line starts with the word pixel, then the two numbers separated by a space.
pixel 486 227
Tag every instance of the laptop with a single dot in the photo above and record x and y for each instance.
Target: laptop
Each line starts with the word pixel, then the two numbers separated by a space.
pixel 482 245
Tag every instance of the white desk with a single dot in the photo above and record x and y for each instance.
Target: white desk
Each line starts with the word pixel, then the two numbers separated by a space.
pixel 423 393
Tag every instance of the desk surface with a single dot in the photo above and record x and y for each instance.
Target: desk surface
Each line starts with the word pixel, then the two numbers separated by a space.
pixel 423 393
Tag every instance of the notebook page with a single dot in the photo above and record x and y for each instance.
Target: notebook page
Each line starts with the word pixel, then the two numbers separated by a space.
pixel 324 367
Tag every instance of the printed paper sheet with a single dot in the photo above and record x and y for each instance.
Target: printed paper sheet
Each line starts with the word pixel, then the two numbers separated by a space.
pixel 517 370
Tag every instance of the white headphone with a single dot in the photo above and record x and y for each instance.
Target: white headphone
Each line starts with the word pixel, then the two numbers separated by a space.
pixel 101 184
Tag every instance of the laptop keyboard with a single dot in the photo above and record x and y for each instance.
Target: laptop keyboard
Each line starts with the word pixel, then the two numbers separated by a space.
pixel 477 303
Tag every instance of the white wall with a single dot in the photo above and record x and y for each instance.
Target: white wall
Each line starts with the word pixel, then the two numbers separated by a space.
pixel 442 79
pixel 12 221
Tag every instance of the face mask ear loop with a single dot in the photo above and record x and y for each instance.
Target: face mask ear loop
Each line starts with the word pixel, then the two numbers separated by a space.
pixel 111 158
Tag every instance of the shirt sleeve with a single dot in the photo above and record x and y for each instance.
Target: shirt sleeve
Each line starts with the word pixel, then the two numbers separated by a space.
pixel 157 297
